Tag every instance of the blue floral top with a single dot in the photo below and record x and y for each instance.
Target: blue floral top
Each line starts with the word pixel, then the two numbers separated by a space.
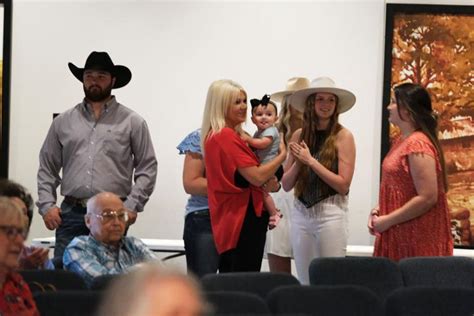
pixel 192 144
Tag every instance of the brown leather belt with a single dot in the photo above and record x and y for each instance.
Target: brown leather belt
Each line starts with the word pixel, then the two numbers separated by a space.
pixel 80 202
pixel 75 201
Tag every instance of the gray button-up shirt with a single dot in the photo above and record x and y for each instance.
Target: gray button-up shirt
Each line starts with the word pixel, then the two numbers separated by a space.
pixel 97 155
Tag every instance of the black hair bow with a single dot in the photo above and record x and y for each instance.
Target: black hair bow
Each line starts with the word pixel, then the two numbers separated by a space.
pixel 264 101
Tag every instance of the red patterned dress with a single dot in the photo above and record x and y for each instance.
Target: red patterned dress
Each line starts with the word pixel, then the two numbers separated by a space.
pixel 426 235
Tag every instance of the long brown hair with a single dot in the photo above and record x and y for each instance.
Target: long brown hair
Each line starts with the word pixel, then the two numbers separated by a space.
pixel 417 101
pixel 286 119
pixel 328 152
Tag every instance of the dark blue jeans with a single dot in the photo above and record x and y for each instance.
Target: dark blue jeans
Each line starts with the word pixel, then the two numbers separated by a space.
pixel 72 225
pixel 201 253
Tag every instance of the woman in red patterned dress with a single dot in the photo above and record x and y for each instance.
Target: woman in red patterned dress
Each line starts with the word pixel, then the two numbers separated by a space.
pixel 15 295
pixel 412 218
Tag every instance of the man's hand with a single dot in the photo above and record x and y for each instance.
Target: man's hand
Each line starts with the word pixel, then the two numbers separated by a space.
pixel 33 258
pixel 52 218
pixel 132 217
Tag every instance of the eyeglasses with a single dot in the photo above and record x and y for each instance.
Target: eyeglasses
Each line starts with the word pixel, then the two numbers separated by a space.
pixel 12 232
pixel 109 215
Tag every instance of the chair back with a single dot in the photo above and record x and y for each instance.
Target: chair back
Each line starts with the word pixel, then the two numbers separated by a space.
pixel 324 300
pixel 378 274
pixel 236 303
pixel 102 282
pixel 71 303
pixel 259 283
pixel 52 280
pixel 438 271
pixel 422 301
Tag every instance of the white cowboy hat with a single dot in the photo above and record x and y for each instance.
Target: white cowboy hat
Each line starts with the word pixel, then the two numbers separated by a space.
pixel 292 85
pixel 346 99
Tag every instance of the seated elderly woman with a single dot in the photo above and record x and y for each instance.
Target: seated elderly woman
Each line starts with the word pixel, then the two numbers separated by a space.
pixel 15 295
pixel 31 257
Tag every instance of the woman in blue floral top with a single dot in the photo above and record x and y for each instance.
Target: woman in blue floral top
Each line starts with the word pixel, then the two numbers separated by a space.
pixel 201 254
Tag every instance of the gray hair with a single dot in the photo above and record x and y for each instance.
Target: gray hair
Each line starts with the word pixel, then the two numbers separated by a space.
pixel 10 212
pixel 92 202
pixel 124 297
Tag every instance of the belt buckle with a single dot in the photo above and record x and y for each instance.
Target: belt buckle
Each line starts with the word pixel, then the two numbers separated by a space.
pixel 202 212
pixel 76 201
pixel 82 202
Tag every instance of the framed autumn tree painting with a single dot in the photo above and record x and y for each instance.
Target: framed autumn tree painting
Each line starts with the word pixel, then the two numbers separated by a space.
pixel 433 45
pixel 5 25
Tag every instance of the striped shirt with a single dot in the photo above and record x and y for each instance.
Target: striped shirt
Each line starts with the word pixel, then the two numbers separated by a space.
pixel 97 155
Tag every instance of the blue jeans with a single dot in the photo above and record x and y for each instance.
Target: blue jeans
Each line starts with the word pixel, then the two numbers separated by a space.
pixel 201 253
pixel 72 225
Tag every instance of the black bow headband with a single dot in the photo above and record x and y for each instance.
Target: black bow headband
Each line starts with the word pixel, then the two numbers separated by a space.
pixel 264 101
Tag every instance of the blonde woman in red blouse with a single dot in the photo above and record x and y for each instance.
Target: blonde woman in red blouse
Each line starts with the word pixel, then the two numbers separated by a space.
pixel 235 180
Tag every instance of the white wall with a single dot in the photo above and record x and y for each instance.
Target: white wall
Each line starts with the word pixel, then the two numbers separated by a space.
pixel 175 50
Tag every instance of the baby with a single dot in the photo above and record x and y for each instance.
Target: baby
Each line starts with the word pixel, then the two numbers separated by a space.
pixel 266 140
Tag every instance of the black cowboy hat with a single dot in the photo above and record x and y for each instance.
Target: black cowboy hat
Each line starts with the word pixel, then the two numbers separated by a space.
pixel 102 61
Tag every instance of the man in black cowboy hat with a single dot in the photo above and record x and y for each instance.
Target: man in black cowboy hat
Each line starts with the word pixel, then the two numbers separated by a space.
pixel 100 145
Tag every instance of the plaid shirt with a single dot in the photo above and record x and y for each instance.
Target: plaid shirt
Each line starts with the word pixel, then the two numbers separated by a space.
pixel 91 258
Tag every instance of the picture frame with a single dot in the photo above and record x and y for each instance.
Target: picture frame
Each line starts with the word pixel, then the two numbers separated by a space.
pixel 5 64
pixel 425 44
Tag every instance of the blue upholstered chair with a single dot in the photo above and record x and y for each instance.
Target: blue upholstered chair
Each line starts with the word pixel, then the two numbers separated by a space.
pixel 259 283
pixel 380 275
pixel 334 300
pixel 438 271
pixel 424 301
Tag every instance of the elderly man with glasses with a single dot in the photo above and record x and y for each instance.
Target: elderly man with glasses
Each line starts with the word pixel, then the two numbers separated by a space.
pixel 106 250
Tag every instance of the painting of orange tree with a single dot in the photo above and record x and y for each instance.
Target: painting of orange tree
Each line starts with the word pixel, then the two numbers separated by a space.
pixel 437 51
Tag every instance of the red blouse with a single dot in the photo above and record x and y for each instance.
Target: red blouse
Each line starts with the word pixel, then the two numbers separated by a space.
pixel 426 235
pixel 224 153
pixel 16 298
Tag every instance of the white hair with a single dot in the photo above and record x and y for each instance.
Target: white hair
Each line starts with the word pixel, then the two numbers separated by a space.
pixel 92 202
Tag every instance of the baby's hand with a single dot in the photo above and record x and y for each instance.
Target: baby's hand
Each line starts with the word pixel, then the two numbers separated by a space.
pixel 274 220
